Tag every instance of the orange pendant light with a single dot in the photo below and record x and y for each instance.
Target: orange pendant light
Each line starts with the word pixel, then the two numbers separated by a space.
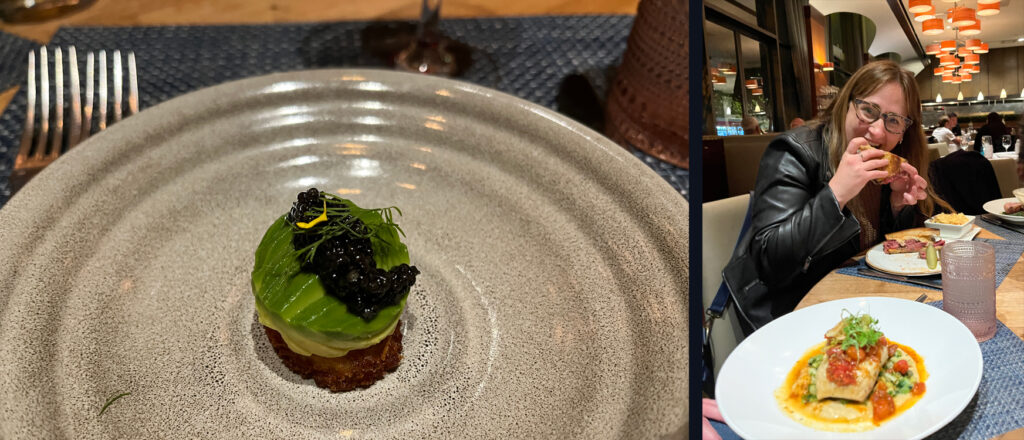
pixel 972 44
pixel 947 45
pixel 918 6
pixel 973 29
pixel 965 77
pixel 932 49
pixel 920 17
pixel 757 92
pixel 938 71
pixel 947 78
pixel 987 2
pixel 932 26
pixel 947 60
pixel 751 84
pixel 957 79
pixel 962 51
pixel 964 16
pixel 982 49
pixel 986 9
pixel 972 59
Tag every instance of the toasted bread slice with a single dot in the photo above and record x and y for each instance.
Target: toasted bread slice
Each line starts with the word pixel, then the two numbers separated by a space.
pixel 893 168
pixel 927 234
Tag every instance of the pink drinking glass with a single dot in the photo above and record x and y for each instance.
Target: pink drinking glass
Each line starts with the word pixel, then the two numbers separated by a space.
pixel 969 286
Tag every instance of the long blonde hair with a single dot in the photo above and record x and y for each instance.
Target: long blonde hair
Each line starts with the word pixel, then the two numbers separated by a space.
pixel 914 147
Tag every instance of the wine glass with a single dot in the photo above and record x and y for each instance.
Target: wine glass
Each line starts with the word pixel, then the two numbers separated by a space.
pixel 428 51
pixel 1006 142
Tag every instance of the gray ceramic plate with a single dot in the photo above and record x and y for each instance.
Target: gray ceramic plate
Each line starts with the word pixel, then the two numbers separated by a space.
pixel 552 300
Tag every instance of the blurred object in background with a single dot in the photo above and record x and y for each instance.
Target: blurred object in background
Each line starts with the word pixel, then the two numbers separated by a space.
pixel 648 106
pixel 428 52
pixel 24 11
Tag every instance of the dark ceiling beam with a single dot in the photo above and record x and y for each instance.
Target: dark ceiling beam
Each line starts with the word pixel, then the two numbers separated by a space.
pixel 907 23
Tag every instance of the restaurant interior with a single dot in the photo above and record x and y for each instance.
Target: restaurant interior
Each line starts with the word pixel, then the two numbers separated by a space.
pixel 773 65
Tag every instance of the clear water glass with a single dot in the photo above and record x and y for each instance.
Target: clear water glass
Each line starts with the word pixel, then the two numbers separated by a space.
pixel 986 146
pixel 1006 142
pixel 969 285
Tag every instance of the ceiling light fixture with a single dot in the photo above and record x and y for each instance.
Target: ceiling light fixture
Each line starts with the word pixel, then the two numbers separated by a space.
pixel 919 6
pixel 932 26
pixel 988 9
pixel 973 29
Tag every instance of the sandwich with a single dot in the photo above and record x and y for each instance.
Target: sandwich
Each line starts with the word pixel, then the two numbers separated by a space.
pixel 914 240
pixel 893 168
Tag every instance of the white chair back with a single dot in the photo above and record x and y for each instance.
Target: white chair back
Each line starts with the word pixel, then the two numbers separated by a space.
pixel 723 220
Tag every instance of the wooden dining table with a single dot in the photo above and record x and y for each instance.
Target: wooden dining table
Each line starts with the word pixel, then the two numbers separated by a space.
pixel 216 12
pixel 1009 299
pixel 1009 294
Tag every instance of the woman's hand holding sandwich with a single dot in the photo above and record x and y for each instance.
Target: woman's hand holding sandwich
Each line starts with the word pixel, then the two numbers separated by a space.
pixel 856 169
pixel 907 188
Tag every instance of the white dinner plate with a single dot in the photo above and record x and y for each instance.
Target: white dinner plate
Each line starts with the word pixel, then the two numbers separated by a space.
pixel 996 207
pixel 551 300
pixel 759 365
pixel 899 264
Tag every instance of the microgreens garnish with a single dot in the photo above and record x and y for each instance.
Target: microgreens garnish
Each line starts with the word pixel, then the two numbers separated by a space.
pixel 111 400
pixel 859 330
pixel 340 221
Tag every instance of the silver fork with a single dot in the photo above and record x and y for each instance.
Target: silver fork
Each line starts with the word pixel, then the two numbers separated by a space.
pixel 40 147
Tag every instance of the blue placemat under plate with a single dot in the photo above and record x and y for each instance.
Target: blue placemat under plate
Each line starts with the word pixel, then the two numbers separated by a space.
pixel 998 407
pixel 529 57
pixel 1007 254
pixel 14 59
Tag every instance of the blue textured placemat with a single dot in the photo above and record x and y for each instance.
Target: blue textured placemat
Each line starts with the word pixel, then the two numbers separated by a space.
pixel 1008 252
pixel 527 57
pixel 998 407
pixel 14 59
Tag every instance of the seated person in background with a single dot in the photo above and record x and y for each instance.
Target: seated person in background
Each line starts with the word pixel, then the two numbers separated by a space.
pixel 994 128
pixel 751 126
pixel 815 204
pixel 954 124
pixel 944 134
pixel 796 122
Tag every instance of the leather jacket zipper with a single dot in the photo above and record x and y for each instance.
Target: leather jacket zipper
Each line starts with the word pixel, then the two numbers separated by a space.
pixel 814 254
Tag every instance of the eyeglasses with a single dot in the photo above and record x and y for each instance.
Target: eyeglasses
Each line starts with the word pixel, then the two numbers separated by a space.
pixel 869 113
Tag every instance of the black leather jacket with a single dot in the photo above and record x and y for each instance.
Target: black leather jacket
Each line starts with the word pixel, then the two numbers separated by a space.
pixel 797 232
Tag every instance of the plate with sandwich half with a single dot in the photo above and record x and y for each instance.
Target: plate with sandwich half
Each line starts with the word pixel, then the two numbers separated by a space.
pixel 906 253
pixel 1009 209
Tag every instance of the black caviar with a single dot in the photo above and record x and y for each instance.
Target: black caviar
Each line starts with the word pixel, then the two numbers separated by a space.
pixel 344 262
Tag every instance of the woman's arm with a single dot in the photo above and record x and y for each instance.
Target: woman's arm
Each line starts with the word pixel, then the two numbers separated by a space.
pixel 796 217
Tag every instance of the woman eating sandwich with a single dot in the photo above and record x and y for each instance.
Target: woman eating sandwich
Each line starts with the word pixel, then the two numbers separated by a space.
pixel 829 189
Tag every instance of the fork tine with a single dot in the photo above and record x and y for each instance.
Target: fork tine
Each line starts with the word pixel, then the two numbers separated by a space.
pixel 89 92
pixel 133 85
pixel 118 85
pixel 44 105
pixel 102 116
pixel 30 113
pixel 57 140
pixel 76 100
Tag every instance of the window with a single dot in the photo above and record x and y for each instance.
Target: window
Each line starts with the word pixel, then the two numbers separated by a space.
pixel 741 80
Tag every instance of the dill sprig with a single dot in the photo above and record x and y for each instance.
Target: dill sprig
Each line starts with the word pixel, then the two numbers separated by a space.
pixel 342 221
pixel 859 330
pixel 111 400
